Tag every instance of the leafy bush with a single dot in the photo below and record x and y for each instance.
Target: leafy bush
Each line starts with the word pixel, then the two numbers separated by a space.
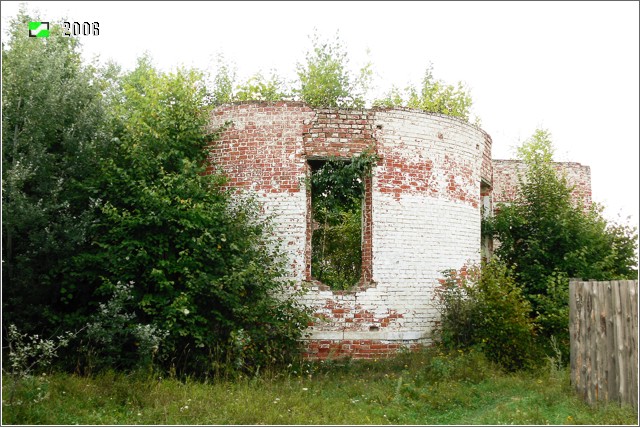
pixel 483 307
pixel 106 183
pixel 552 315
pixel 115 339
pixel 545 237
pixel 26 354
pixel 53 118
pixel 199 260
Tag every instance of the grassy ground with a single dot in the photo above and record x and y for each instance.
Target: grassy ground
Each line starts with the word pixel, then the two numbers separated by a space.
pixel 423 388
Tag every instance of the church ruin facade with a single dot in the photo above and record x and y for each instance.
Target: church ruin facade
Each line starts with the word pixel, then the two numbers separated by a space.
pixel 421 210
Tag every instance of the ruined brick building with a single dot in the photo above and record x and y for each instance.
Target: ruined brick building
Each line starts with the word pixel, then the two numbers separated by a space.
pixel 421 211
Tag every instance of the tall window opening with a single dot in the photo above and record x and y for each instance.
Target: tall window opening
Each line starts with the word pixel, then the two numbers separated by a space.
pixel 337 194
pixel 486 212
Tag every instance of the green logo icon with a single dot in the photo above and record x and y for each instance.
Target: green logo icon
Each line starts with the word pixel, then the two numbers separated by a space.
pixel 38 29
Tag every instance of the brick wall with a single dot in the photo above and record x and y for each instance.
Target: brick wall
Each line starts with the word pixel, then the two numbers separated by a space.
pixel 359 349
pixel 338 133
pixel 262 153
pixel 422 210
pixel 505 180
pixel 487 164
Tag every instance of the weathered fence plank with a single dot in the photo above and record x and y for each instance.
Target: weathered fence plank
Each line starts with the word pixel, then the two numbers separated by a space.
pixel 603 319
pixel 575 308
pixel 633 338
pixel 610 363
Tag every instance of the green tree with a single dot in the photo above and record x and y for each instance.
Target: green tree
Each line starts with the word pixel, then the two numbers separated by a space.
pixel 53 134
pixel 325 79
pixel 199 261
pixel 547 238
pixel 222 89
pixel 260 88
pixel 434 96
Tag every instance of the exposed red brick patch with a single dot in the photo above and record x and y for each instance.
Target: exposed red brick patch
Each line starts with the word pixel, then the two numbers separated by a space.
pixel 358 349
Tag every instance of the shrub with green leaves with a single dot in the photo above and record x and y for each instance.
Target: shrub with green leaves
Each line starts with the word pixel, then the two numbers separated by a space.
pixel 115 338
pixel 545 231
pixel 25 356
pixel 546 237
pixel 53 135
pixel 481 306
pixel 200 262
pixel 552 315
pixel 260 88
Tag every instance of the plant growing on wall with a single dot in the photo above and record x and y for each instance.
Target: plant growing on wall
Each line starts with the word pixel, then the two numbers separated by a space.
pixel 222 88
pixel 434 96
pixel 260 88
pixel 325 80
pixel 337 188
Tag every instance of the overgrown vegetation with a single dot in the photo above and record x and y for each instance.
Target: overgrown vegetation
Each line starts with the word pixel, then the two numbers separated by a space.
pixel 433 95
pixel 483 308
pixel 111 226
pixel 516 307
pixel 545 239
pixel 112 229
pixel 325 79
pixel 424 388
pixel 337 194
pixel 200 263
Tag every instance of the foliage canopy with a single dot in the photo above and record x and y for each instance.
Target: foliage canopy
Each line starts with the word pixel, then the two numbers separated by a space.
pixel 112 225
pixel 54 133
pixel 546 239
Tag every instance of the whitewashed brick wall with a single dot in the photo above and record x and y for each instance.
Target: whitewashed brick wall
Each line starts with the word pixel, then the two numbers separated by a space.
pixel 425 211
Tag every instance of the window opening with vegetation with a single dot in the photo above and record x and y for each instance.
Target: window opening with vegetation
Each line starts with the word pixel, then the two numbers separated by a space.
pixel 337 195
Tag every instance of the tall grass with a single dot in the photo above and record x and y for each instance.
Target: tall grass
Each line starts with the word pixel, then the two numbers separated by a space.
pixel 429 387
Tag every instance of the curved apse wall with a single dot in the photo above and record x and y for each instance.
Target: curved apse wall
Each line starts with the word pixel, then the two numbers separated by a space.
pixel 421 213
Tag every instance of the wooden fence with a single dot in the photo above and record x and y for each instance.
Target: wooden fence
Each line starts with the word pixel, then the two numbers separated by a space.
pixel 603 320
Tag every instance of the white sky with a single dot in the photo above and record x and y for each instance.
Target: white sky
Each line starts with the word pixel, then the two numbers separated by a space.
pixel 569 67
